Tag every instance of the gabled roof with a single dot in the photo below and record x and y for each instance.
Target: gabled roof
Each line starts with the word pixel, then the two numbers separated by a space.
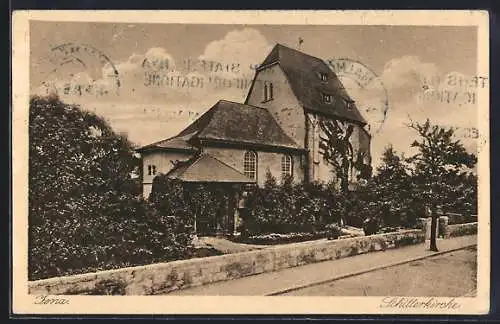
pixel 206 168
pixel 231 122
pixel 303 74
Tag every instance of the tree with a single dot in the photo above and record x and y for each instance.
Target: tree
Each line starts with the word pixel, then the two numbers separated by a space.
pixel 85 210
pixel 75 159
pixel 73 156
pixel 440 160
pixel 338 151
pixel 392 188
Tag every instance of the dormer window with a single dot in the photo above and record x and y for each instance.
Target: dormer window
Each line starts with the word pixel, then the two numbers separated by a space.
pixel 323 76
pixel 327 98
pixel 350 105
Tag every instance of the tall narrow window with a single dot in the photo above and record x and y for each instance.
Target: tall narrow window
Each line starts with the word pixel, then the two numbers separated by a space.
pixel 327 98
pixel 286 166
pixel 323 76
pixel 268 91
pixel 250 165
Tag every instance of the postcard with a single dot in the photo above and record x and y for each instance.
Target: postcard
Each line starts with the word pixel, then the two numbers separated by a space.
pixel 250 162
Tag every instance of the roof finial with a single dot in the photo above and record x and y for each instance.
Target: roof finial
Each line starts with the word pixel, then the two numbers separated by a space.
pixel 300 41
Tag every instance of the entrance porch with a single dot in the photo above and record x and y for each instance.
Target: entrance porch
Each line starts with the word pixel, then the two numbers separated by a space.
pixel 224 186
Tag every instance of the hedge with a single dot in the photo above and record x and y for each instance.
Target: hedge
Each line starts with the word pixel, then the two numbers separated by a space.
pixel 85 213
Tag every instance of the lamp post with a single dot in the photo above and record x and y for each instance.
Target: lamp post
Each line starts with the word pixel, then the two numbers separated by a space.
pixel 433 246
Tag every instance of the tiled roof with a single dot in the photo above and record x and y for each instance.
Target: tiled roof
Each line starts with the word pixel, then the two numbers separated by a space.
pixel 206 168
pixel 236 122
pixel 231 122
pixel 302 71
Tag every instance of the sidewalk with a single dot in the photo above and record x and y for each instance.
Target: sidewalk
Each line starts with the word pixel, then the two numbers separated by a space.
pixel 288 279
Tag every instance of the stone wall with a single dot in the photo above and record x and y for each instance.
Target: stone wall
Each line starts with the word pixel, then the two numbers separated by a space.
pixel 461 229
pixel 445 230
pixel 455 218
pixel 164 277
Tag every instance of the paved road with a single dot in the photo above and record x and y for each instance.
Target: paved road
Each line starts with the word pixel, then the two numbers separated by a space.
pixel 452 274
pixel 278 282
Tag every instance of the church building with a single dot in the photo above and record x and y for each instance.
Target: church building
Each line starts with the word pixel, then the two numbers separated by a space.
pixel 295 110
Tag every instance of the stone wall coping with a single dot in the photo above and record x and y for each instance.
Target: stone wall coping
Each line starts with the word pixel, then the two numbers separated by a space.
pixel 106 273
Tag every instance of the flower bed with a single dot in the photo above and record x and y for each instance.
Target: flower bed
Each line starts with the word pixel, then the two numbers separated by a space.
pixel 278 238
pixel 331 233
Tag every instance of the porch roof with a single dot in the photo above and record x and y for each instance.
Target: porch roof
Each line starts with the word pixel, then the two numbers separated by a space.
pixel 206 168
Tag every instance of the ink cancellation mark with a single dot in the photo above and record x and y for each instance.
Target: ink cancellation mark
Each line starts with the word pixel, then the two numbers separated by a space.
pixel 453 89
pixel 84 71
pixel 193 74
pixel 365 83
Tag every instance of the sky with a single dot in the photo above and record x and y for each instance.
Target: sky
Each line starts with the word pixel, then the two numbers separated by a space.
pixel 426 72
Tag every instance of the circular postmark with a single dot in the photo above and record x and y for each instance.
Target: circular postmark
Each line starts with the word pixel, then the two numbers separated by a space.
pixel 365 87
pixel 81 70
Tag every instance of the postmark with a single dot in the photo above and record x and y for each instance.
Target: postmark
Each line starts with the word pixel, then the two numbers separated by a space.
pixel 469 134
pixel 81 70
pixel 453 89
pixel 366 88
pixel 196 74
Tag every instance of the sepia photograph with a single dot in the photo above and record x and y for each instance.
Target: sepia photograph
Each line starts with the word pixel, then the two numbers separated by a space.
pixel 316 162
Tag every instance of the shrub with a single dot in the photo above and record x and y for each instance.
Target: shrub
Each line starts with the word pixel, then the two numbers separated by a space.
pixel 278 238
pixel 131 233
pixel 85 213
pixel 371 226
pixel 204 202
pixel 288 208
pixel 334 231
pixel 167 196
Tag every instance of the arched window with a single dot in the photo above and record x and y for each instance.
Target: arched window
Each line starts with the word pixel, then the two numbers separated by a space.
pixel 268 91
pixel 286 166
pixel 250 165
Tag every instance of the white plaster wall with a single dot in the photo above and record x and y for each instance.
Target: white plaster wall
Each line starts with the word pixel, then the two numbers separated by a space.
pixel 284 107
pixel 163 162
pixel 234 157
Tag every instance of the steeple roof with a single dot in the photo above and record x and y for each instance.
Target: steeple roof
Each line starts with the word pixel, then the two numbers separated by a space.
pixel 304 72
